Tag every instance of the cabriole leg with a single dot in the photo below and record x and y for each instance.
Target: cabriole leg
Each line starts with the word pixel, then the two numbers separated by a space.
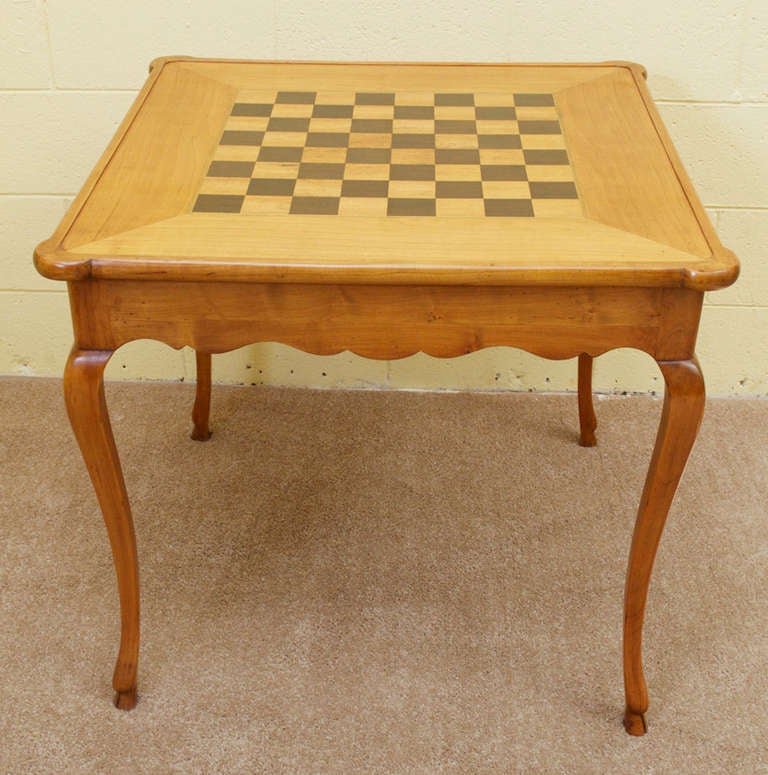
pixel 680 419
pixel 87 410
pixel 587 419
pixel 202 408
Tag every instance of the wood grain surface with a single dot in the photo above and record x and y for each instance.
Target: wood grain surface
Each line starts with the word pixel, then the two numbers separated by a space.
pixel 135 217
pixel 622 261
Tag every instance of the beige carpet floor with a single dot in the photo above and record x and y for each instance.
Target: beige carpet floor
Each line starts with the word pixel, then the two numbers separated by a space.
pixel 362 582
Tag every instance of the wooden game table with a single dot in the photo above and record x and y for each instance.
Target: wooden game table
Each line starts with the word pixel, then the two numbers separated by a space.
pixel 389 209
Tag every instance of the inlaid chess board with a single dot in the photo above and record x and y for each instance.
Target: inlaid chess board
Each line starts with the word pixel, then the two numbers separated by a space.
pixel 459 154
pixel 448 173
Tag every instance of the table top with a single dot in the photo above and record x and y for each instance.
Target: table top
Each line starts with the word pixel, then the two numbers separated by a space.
pixel 472 174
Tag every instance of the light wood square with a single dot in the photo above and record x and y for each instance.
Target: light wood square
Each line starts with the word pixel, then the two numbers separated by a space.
pixel 456 141
pixel 465 112
pixel 460 208
pixel 501 156
pixel 328 155
pixel 457 172
pixel 486 127
pixel 413 156
pixel 495 99
pixel 417 126
pixel 412 189
pixel 420 98
pixel 224 186
pixel 366 172
pixel 365 140
pixel 506 189
pixel 285 139
pixel 374 111
pixel 266 205
pixel 557 208
pixel 335 98
pixel 236 153
pixel 541 172
pixel 312 187
pixel 363 205
pixel 542 141
pixel 330 125
pixel 284 110
pixel 247 123
pixel 533 113
pixel 275 169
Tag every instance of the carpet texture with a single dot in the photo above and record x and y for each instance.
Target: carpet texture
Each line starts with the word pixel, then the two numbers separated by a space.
pixel 379 582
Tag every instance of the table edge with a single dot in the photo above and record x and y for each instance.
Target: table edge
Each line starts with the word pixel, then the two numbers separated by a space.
pixel 711 274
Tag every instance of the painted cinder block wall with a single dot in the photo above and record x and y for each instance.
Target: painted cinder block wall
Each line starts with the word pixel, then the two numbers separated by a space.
pixel 69 70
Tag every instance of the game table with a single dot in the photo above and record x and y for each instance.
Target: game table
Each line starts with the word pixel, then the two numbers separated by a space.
pixel 389 209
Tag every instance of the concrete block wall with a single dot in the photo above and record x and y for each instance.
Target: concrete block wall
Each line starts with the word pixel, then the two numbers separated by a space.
pixel 70 69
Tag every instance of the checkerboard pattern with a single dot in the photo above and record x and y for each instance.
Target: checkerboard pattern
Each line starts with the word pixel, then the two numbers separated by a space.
pixel 384 153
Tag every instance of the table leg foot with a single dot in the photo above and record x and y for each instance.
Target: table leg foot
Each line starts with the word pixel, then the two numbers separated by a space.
pixel 87 410
pixel 202 408
pixel 635 723
pixel 125 700
pixel 680 419
pixel 587 419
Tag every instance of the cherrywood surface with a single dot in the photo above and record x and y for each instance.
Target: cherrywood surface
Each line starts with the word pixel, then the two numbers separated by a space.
pixel 383 321
pixel 87 410
pixel 202 408
pixel 587 419
pixel 625 266
pixel 640 222
pixel 680 419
